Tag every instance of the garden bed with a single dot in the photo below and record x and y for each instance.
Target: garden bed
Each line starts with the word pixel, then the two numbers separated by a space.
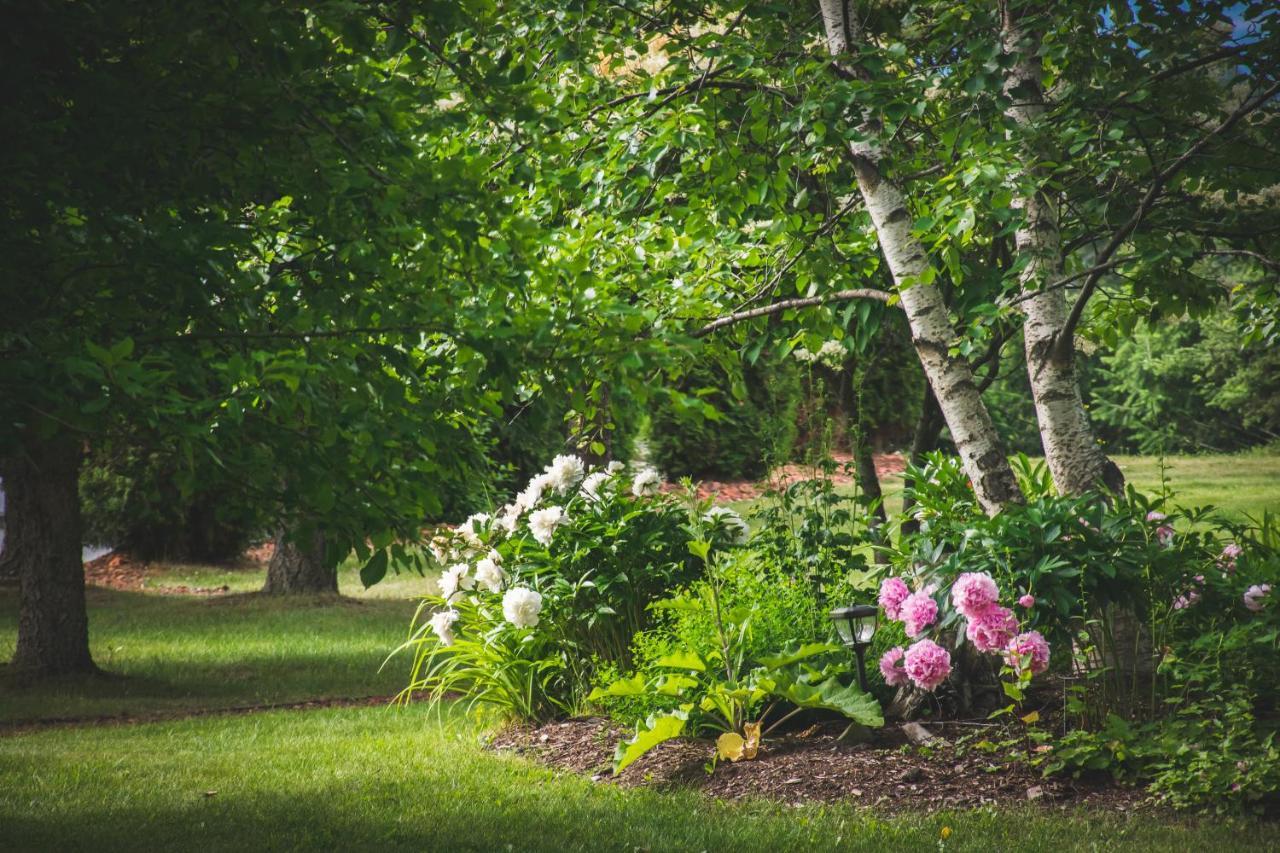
pixel 815 766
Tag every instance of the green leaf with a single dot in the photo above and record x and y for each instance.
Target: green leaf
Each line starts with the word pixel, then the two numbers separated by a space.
pixel 790 655
pixel 681 660
pixel 634 686
pixel 374 570
pixel 833 696
pixel 657 730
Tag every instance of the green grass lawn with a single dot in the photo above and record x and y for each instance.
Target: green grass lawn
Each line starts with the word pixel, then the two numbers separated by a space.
pixel 391 779
pixel 168 653
pixel 1234 483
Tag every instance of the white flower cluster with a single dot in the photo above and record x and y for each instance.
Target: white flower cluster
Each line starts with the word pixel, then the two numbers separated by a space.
pixel 475 565
pixel 832 354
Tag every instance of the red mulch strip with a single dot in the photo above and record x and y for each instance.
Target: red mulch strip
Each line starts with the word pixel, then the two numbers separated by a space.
pixel 779 478
pixel 815 766
pixel 115 570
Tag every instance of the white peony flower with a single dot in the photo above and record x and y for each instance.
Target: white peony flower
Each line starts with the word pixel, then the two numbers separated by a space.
pixel 507 519
pixel 521 607
pixel 473 525
pixel 489 574
pixel 723 517
pixel 564 473
pixel 543 523
pixel 592 485
pixel 442 624
pixel 803 355
pixel 646 483
pixel 455 579
pixel 532 493
pixel 615 467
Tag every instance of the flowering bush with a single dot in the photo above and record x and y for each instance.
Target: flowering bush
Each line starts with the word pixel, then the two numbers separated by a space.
pixel 989 627
pixel 556 583
pixel 1194 588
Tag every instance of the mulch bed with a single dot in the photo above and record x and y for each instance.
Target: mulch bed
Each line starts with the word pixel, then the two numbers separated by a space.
pixel 785 475
pixel 815 766
pixel 118 570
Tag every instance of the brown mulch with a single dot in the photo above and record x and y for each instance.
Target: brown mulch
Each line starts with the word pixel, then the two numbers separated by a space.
pixel 115 570
pixel 815 766
pixel 118 570
pixel 781 477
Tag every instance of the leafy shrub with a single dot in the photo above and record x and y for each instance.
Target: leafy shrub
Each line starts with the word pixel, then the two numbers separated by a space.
pixel 1188 386
pixel 727 421
pixel 770 608
pixel 818 535
pixel 551 587
pixel 151 505
pixel 705 669
pixel 1200 726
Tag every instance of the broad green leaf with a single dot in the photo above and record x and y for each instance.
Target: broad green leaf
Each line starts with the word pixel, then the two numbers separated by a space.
pixel 656 731
pixel 682 660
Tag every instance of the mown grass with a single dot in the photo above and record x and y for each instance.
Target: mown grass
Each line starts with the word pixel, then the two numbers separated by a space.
pixel 396 779
pixel 169 653
pixel 1236 484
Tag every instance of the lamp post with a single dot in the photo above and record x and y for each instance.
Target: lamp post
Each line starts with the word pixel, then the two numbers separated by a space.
pixel 856 626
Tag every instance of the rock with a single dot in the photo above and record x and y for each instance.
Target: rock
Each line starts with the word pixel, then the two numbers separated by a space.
pixel 1035 792
pixel 921 736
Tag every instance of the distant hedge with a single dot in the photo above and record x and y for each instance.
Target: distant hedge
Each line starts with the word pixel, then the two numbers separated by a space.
pixel 755 427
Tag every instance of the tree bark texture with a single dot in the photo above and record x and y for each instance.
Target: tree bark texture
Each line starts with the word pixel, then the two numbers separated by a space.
pixel 42 541
pixel 932 332
pixel 1071 449
pixel 298 566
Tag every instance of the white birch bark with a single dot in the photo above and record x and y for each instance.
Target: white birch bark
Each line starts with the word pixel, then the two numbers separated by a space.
pixel 1074 457
pixel 932 332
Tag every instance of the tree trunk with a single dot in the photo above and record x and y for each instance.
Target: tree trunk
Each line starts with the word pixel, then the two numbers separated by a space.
pixel 42 540
pixel 299 567
pixel 932 333
pixel 1074 457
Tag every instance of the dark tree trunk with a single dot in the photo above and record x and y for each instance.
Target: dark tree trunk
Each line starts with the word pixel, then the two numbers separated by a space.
pixel 868 479
pixel 42 541
pixel 928 430
pixel 298 567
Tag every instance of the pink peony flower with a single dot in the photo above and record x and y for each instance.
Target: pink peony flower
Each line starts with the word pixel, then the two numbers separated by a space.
pixel 1028 601
pixel 1029 647
pixel 992 629
pixel 919 611
pixel 893 591
pixel 1164 535
pixel 891 667
pixel 974 592
pixel 1156 516
pixel 1253 596
pixel 1187 599
pixel 927 664
pixel 1227 559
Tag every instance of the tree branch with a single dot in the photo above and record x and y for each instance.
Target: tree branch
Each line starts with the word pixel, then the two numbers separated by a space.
pixel 1066 335
pixel 786 304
